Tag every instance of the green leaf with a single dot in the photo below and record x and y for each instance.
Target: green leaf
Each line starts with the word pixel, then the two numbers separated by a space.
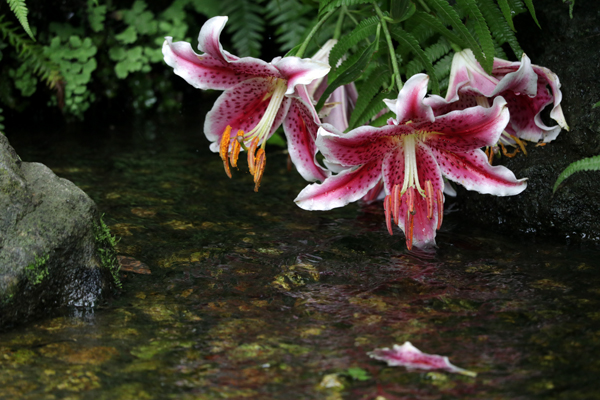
pixel 507 13
pixel 370 87
pixel 246 25
pixel 348 72
pixel 408 40
pixel 128 36
pixel 596 105
pixel 358 374
pixel 363 30
pixel 481 30
pixel 529 4
pixel 571 4
pixel 328 5
pixel 449 14
pixel 401 10
pixel 587 164
pixel 19 8
pixel 376 106
pixel 292 19
pixel 429 20
pixel 501 31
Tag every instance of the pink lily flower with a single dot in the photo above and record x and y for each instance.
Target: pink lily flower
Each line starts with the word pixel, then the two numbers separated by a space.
pixel 411 154
pixel 523 85
pixel 258 97
pixel 340 103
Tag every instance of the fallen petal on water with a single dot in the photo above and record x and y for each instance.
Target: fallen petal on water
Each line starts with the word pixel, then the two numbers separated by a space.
pixel 410 357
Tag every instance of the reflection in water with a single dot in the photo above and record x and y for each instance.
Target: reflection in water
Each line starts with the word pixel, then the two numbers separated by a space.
pixel 234 294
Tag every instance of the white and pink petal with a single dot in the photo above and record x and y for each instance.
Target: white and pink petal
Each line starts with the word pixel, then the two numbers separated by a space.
pixel 338 190
pixel 409 105
pixel 473 171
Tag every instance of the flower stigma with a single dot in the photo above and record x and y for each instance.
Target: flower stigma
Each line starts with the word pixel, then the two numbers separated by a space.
pixel 230 146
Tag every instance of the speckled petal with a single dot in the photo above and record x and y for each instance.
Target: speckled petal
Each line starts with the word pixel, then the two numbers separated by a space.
pixel 525 116
pixel 360 145
pixel 299 71
pixel 242 107
pixel 472 170
pixel 339 190
pixel 301 131
pixel 466 75
pixel 409 105
pixel 523 81
pixel 200 71
pixel 468 129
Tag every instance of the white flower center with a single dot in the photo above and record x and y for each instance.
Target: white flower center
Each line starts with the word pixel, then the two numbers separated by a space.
pixel 411 176
pixel 262 129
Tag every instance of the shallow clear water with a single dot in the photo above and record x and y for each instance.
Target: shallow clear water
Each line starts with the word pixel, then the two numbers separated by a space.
pixel 250 297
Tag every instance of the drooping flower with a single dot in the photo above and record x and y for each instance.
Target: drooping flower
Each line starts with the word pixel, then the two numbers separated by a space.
pixel 411 154
pixel 340 103
pixel 523 85
pixel 258 97
pixel 410 357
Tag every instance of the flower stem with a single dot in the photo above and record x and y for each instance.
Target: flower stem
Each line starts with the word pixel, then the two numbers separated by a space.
pixel 314 30
pixel 388 39
pixel 338 26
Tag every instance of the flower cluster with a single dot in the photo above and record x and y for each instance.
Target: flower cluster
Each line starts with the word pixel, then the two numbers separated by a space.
pixel 431 139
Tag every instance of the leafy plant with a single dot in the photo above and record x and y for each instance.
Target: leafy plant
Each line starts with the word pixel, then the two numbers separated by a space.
pixel 586 164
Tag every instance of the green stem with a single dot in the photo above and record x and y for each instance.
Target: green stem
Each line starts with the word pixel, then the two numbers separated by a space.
pixel 427 9
pixel 391 49
pixel 338 26
pixel 314 30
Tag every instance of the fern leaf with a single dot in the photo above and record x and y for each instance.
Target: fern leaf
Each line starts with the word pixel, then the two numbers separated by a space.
pixel 328 5
pixel 529 4
pixel 425 19
pixel 586 164
pixel 246 25
pixel 362 31
pixel 501 31
pixel 19 8
pixel 408 40
pixel 507 14
pixel 481 30
pixel 368 90
pixel 516 7
pixel 373 108
pixel 449 14
pixel 290 18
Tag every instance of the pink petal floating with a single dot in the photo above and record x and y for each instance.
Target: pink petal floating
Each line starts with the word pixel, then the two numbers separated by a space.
pixel 410 357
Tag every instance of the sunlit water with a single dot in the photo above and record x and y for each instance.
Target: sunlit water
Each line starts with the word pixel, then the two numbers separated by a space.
pixel 250 297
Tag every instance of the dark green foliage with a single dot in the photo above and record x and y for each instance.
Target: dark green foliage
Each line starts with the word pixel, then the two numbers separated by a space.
pixel 20 9
pixel 586 164
pixel 246 24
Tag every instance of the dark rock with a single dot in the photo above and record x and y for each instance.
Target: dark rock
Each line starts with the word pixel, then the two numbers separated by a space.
pixel 54 249
pixel 571 49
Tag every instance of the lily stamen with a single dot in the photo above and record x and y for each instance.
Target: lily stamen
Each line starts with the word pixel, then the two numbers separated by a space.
pixel 259 167
pixel 224 150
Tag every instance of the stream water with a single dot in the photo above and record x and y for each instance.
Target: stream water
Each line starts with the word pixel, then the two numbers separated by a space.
pixel 231 294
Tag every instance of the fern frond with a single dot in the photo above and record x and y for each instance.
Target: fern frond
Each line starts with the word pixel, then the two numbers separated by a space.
pixel 291 21
pixel 586 164
pixel 516 7
pixel 362 31
pixel 434 52
pixel 373 108
pixel 501 31
pixel 246 25
pixel 370 87
pixel 328 5
pixel 425 19
pixel 31 53
pixel 449 14
pixel 505 8
pixel 406 39
pixel 19 8
pixel 481 30
pixel 529 4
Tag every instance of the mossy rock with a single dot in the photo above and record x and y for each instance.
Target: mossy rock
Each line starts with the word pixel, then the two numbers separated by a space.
pixel 55 251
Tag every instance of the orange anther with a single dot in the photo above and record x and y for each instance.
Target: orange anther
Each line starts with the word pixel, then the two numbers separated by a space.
pixel 252 155
pixel 224 149
pixel 409 229
pixel 395 202
pixel 440 210
pixel 259 167
pixel 429 198
pixel 235 148
pixel 387 205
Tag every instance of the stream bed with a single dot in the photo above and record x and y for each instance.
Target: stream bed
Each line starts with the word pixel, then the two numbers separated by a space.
pixel 231 294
